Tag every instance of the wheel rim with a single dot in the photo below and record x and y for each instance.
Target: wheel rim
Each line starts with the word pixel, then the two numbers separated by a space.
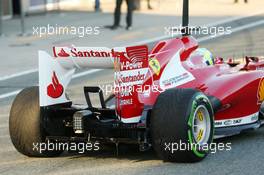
pixel 201 125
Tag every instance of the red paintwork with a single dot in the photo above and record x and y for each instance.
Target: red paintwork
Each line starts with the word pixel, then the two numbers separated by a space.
pixel 237 89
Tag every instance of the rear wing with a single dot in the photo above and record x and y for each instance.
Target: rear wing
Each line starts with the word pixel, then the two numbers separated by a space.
pixel 55 72
pixel 131 67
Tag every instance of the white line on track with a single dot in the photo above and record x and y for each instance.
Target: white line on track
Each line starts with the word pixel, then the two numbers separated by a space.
pixel 4 136
pixel 3 126
pixel 81 74
pixel 2 96
pixel 237 29
pixel 18 74
pixel 3 115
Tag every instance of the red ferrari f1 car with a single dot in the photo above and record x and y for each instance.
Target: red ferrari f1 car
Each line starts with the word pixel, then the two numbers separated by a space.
pixel 176 93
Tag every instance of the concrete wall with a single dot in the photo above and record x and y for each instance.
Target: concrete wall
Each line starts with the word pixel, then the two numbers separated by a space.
pixel 6 8
pixel 36 6
pixel 31 6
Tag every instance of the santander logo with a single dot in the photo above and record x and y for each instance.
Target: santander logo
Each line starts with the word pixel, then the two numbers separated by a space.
pixel 55 89
pixel 62 53
pixel 85 52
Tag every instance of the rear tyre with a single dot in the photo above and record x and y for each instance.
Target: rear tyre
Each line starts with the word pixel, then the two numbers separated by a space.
pixel 261 111
pixel 25 125
pixel 182 125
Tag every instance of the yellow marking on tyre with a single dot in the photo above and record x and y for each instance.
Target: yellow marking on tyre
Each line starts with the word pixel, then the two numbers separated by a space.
pixel 200 135
pixel 200 116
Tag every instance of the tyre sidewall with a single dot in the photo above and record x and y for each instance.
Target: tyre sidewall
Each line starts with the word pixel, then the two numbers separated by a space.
pixel 197 100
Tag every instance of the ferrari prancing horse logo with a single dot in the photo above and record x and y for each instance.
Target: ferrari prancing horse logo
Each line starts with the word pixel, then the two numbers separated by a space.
pixel 155 66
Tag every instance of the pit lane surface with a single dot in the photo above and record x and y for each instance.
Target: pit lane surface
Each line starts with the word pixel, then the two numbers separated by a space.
pixel 245 157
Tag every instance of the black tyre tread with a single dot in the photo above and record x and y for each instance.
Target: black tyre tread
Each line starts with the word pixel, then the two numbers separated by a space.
pixel 25 123
pixel 170 115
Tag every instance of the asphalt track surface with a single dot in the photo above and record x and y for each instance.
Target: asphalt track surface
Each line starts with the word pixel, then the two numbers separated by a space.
pixel 245 157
